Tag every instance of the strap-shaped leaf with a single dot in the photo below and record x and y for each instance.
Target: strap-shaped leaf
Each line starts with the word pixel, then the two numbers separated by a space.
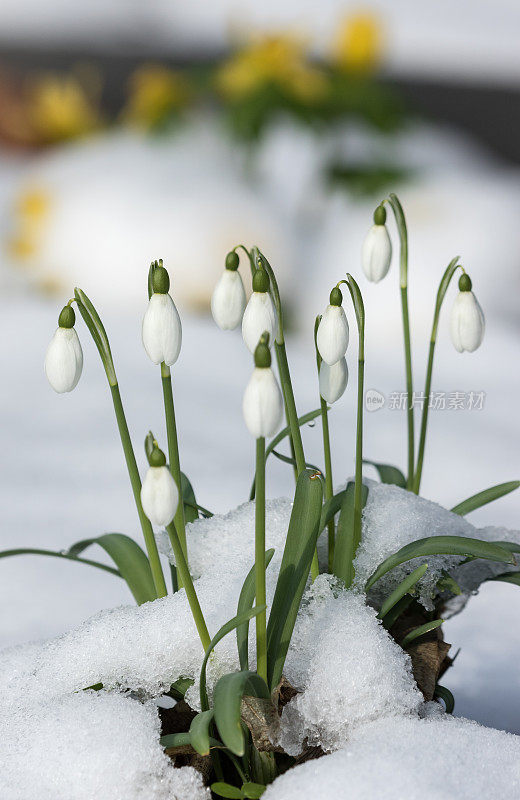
pixel 508 577
pixel 227 790
pixel 245 602
pixel 442 545
pixel 227 699
pixel 486 496
pixel 400 607
pixel 346 545
pixel 388 474
pixel 199 732
pixel 289 460
pixel 404 587
pixel 223 631
pixel 130 560
pixel 422 630
pixel 296 563
pixel 188 497
pixel 253 791
pixel 36 551
pixel 446 696
pixel 330 508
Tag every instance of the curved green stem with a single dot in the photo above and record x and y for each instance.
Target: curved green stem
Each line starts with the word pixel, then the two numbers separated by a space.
pixel 327 456
pixel 359 308
pixel 261 619
pixel 441 292
pixel 173 454
pixel 184 575
pixel 403 281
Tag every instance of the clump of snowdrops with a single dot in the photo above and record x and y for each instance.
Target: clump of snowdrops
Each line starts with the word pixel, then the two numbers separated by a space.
pixel 165 499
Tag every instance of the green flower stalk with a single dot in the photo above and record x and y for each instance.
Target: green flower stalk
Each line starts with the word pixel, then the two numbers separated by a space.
pixel 98 333
pixel 329 489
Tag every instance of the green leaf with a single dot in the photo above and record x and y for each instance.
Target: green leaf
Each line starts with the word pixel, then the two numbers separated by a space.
pixel 345 546
pixel 199 732
pixel 448 584
pixel 226 790
pixel 281 436
pixel 253 790
pixel 289 460
pixel 330 508
pixel 446 696
pixel 180 687
pixel 421 631
pixel 227 699
pixel 442 545
pixel 299 549
pixel 400 607
pixel 245 602
pixel 508 577
pixel 399 592
pixel 130 560
pixel 486 496
pixel 224 630
pixel 388 474
pixel 188 498
pixel 175 740
pixel 35 551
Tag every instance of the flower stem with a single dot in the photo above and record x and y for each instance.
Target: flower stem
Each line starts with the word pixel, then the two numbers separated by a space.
pixel 327 457
pixel 261 619
pixel 135 480
pixel 173 454
pixel 185 577
pixel 403 280
pixel 443 287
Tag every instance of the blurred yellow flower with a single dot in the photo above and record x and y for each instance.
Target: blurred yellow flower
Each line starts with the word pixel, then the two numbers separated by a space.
pixel 155 91
pixel 358 43
pixel 31 209
pixel 280 59
pixel 62 108
pixel 32 204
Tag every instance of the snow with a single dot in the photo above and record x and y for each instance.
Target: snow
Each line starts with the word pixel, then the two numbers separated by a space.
pixel 349 668
pixel 437 758
pixel 89 745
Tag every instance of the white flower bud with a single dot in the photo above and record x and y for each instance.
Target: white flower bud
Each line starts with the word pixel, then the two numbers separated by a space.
pixel 467 323
pixel 263 403
pixel 259 316
pixel 333 380
pixel 228 300
pixel 159 496
pixel 64 360
pixel 333 333
pixel 162 330
pixel 376 253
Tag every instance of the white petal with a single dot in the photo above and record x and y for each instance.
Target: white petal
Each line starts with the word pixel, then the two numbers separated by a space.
pixel 333 380
pixel 376 253
pixel 467 323
pixel 162 331
pixel 159 496
pixel 332 336
pixel 228 300
pixel 259 316
pixel 64 360
pixel 263 403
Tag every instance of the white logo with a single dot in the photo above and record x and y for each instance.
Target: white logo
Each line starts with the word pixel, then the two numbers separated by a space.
pixel 374 400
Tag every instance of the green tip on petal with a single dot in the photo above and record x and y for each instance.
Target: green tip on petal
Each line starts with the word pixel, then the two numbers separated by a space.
pixel 157 458
pixel 160 281
pixel 261 281
pixel 262 352
pixel 336 298
pixel 380 215
pixel 67 317
pixel 465 283
pixel 232 261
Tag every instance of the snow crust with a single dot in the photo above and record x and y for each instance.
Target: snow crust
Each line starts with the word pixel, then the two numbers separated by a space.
pixel 438 758
pixel 90 745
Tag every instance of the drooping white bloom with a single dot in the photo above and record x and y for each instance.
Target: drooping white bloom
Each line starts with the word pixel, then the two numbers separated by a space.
pixel 228 300
pixel 333 334
pixel 376 253
pixel 333 380
pixel 159 496
pixel 467 323
pixel 64 360
pixel 259 316
pixel 263 403
pixel 162 330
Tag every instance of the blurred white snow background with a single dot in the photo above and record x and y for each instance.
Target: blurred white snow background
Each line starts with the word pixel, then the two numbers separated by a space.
pixel 119 200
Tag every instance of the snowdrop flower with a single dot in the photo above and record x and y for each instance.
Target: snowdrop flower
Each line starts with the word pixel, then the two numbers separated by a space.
pixel 229 298
pixel 262 404
pixel 467 321
pixel 332 335
pixel 333 380
pixel 377 248
pixel 162 331
pixel 64 357
pixel 159 493
pixel 259 315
